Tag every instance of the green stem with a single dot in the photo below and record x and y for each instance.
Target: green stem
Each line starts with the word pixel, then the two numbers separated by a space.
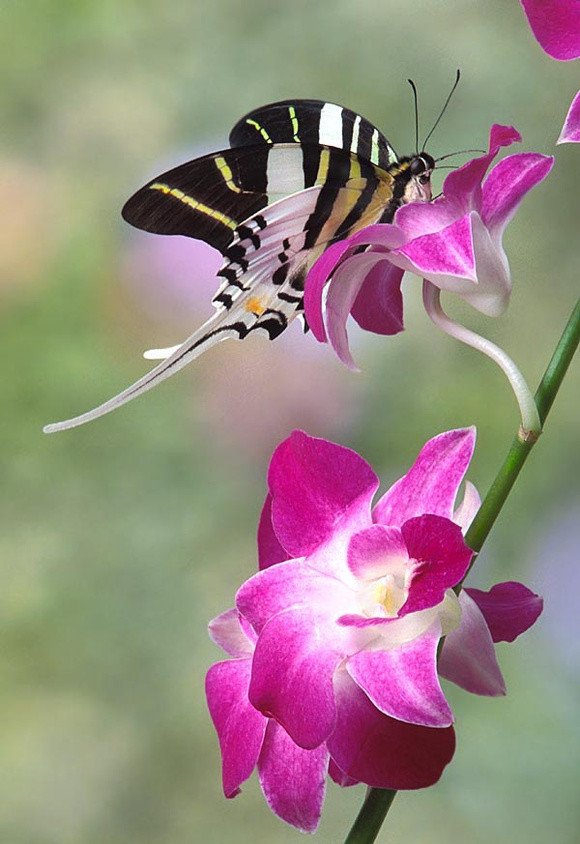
pixel 371 816
pixel 378 801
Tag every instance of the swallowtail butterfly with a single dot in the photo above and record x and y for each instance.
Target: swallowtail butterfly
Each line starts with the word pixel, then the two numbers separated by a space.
pixel 299 175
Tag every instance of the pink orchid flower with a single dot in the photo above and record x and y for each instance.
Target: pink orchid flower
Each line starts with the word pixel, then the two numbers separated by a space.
pixel 249 739
pixel 556 25
pixel 454 242
pixel 343 622
pixel 570 133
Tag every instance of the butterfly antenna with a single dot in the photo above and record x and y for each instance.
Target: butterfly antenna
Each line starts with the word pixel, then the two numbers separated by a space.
pixel 416 100
pixel 459 152
pixel 442 112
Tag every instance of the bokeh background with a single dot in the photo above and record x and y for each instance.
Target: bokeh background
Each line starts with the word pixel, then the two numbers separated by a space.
pixel 121 539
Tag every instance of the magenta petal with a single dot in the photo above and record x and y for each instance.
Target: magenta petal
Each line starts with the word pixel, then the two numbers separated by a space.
pixel 448 252
pixel 239 726
pixel 509 609
pixel 379 304
pixel 293 582
pixel 402 682
pixel 232 633
pixel 570 133
pixel 342 293
pixel 371 550
pixel 361 621
pixel 556 25
pixel 431 484
pixel 419 218
pixel 294 662
pixel 379 234
pixel 507 184
pixel 339 777
pixel 382 752
pixel 316 485
pixel 442 559
pixel 468 655
pixel 293 780
pixel 464 184
pixel 315 283
pixel 270 551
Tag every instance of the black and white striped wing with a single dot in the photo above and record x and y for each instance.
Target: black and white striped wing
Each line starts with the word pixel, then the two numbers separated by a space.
pixel 314 122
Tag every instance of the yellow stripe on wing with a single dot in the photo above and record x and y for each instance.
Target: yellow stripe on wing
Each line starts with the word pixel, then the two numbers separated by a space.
pixel 260 129
pixel 226 172
pixel 194 204
pixel 294 119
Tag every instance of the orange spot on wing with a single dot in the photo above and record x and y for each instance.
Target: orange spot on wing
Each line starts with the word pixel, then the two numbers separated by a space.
pixel 254 306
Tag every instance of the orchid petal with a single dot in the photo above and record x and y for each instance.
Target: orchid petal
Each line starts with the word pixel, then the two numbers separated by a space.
pixel 441 559
pixel 464 184
pixel 293 780
pixel 382 752
pixel 379 304
pixel 314 285
pixel 317 485
pixel 448 252
pixel 570 133
pixel 419 218
pixel 231 632
pixel 491 294
pixel 396 630
pixel 373 550
pixel 468 655
pixel 431 484
pixel 465 513
pixel 240 727
pixel 402 682
pixel 556 26
pixel 506 186
pixel 293 582
pixel 509 609
pixel 270 551
pixel 379 234
pixel 339 777
pixel 293 665
pixel 342 293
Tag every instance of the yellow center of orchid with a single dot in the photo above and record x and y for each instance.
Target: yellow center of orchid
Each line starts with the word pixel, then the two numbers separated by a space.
pixel 390 592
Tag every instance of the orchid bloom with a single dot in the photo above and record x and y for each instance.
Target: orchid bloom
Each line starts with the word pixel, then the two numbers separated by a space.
pixel 556 26
pixel 570 133
pixel 342 625
pixel 454 243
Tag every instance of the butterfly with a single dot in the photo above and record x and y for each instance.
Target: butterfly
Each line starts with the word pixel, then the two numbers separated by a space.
pixel 299 175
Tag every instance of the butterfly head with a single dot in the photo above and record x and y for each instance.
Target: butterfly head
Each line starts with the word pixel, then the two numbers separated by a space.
pixel 418 187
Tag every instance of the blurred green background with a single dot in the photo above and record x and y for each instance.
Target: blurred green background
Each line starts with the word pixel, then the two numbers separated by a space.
pixel 120 540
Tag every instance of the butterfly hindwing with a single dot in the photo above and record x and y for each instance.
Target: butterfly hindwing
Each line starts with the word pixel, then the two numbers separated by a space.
pixel 314 122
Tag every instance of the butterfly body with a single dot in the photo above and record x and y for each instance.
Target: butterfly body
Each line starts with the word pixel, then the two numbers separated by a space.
pixel 299 175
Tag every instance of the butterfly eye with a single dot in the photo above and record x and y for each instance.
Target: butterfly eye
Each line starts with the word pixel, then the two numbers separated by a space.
pixel 417 166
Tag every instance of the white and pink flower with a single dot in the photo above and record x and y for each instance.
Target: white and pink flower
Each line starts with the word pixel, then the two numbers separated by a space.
pixel 454 242
pixel 334 642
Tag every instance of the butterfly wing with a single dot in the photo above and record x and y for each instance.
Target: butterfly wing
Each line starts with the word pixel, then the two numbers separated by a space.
pixel 264 270
pixel 271 209
pixel 314 122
